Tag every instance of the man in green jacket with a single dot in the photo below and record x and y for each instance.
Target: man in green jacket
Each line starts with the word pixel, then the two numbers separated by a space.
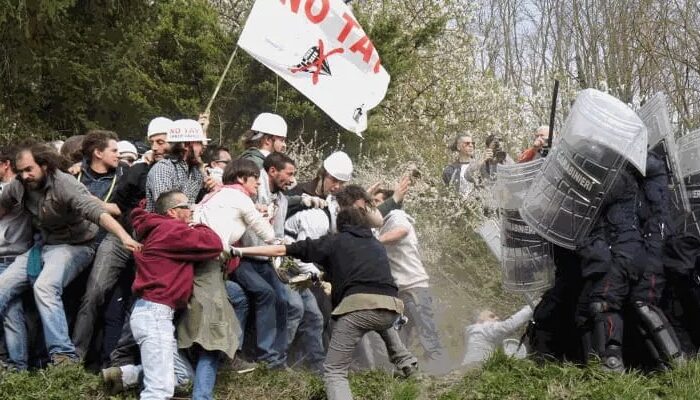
pixel 67 217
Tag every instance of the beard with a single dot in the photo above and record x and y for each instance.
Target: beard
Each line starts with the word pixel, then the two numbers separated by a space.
pixel 192 160
pixel 34 184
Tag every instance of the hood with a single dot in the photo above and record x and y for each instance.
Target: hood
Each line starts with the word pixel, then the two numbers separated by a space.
pixel 358 231
pixel 145 222
pixel 252 152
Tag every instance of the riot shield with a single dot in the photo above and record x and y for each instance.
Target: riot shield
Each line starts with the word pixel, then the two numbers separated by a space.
pixel 600 135
pixel 655 116
pixel 689 160
pixel 526 262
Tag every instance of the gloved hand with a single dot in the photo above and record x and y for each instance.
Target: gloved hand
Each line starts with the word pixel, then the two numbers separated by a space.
pixel 235 252
pixel 313 201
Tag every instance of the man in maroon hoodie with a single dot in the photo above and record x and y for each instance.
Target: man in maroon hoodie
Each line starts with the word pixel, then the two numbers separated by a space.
pixel 163 284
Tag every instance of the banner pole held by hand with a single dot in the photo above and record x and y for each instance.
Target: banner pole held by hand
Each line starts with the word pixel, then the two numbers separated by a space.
pixel 221 81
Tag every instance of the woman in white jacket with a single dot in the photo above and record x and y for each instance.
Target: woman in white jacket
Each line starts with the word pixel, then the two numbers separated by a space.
pixel 487 334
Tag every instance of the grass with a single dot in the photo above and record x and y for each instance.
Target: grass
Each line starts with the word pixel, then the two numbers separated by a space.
pixel 501 378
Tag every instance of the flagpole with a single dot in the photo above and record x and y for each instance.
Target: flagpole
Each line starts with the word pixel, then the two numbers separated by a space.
pixel 221 81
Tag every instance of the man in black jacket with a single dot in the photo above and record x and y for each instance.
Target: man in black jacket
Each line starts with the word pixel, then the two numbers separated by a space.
pixel 111 259
pixel 364 295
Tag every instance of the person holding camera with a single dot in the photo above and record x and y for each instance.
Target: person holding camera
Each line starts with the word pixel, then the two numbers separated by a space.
pixel 483 172
pixel 539 143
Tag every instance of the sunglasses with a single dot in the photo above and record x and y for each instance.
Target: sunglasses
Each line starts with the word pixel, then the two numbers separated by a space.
pixel 181 206
pixel 471 143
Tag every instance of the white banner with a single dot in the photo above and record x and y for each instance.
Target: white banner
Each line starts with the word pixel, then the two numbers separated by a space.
pixel 320 49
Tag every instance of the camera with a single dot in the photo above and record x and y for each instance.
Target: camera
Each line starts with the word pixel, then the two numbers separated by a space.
pixel 499 155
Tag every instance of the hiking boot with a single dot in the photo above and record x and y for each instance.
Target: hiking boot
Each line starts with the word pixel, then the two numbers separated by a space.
pixel 63 360
pixel 112 380
pixel 241 366
pixel 613 364
pixel 409 371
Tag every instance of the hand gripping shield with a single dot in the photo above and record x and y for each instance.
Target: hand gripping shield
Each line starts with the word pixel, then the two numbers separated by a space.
pixel 600 134
pixel 689 160
pixel 655 116
pixel 526 262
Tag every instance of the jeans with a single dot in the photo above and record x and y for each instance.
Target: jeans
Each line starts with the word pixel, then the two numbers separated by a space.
pixel 239 301
pixel 270 297
pixel 205 375
pixel 152 325
pixel 15 331
pixel 306 322
pixel 62 264
pixel 115 313
pixel 110 260
pixel 418 304
pixel 347 333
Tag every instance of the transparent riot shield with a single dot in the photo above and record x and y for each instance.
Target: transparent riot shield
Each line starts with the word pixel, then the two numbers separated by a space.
pixel 655 116
pixel 526 262
pixel 600 135
pixel 689 160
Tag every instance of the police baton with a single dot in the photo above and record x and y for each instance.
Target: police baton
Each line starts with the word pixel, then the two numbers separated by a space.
pixel 552 114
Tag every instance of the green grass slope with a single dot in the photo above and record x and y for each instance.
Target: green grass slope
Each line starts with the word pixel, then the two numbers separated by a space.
pixel 501 378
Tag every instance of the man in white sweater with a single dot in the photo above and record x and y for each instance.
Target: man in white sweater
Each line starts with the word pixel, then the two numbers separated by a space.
pixel 401 243
pixel 486 335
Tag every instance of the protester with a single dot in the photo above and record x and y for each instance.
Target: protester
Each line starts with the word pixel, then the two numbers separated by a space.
pixel 163 285
pixel 267 134
pixel 182 170
pixel 112 259
pixel 15 240
pixel 68 218
pixel 257 276
pixel 209 325
pixel 486 335
pixel 100 170
pixel 72 149
pixel 364 295
pixel 217 159
pixel 398 236
pixel 127 152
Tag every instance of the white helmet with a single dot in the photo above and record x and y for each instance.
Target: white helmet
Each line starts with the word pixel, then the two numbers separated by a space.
pixel 339 166
pixel 186 130
pixel 127 147
pixel 159 126
pixel 271 124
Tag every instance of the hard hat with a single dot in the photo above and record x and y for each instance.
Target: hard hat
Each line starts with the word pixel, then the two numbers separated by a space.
pixel 339 166
pixel 271 124
pixel 159 126
pixel 126 147
pixel 186 130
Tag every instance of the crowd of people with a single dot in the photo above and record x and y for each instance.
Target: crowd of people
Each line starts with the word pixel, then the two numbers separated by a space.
pixel 158 266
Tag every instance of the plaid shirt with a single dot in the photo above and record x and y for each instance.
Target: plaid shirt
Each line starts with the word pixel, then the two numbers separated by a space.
pixel 167 175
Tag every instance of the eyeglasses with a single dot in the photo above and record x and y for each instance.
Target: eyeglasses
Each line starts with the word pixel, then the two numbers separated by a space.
pixel 182 206
pixel 471 143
